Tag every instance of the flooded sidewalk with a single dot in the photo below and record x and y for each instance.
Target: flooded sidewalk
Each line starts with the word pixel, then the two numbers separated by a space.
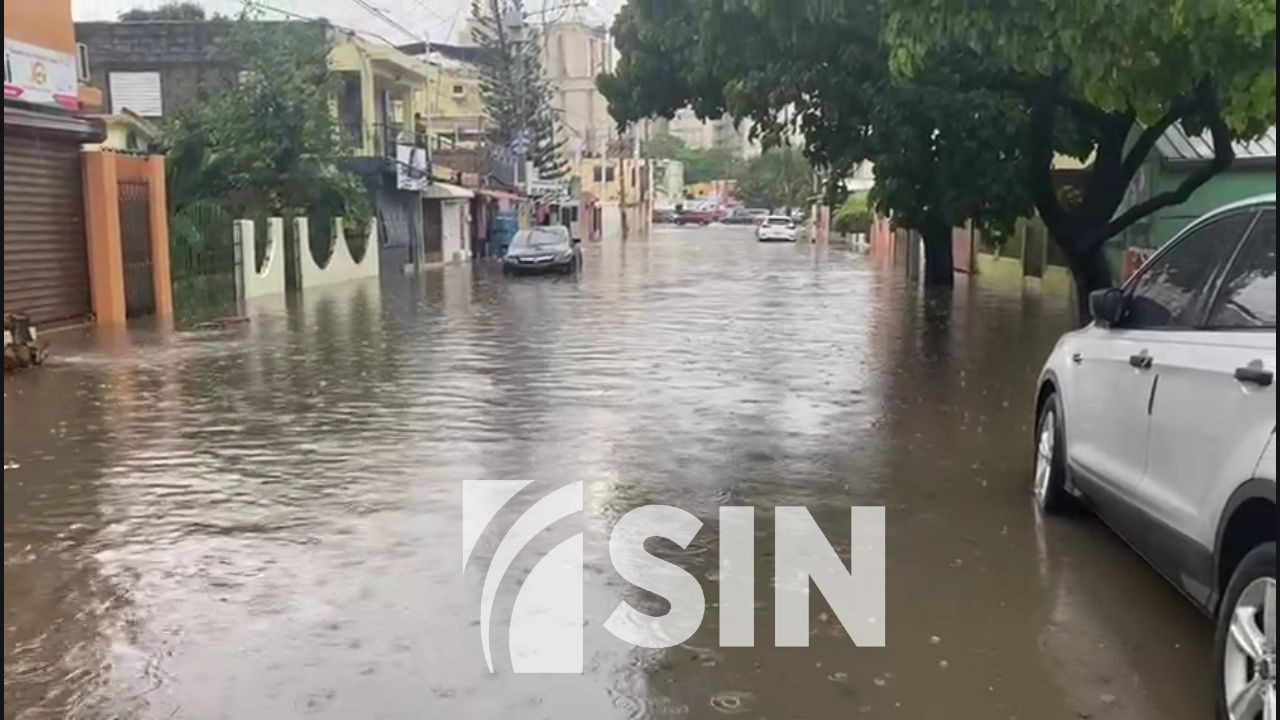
pixel 264 521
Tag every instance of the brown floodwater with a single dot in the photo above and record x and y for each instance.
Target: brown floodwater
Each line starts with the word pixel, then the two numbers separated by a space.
pixel 264 522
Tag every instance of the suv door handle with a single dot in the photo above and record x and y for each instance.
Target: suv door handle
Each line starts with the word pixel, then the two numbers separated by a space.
pixel 1142 360
pixel 1255 374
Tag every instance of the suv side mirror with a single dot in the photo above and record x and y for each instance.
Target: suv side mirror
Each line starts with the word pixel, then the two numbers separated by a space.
pixel 1107 306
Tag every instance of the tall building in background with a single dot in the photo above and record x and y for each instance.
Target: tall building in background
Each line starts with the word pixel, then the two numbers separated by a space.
pixel 574 51
pixel 708 134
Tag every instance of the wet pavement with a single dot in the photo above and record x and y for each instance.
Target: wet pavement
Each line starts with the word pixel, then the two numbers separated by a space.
pixel 264 522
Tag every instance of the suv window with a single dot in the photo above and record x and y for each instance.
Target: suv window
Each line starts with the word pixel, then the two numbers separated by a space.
pixel 1170 293
pixel 1248 295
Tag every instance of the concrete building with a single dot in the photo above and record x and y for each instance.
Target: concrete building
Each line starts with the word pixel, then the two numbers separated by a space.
pixel 708 134
pixel 85 231
pixel 575 51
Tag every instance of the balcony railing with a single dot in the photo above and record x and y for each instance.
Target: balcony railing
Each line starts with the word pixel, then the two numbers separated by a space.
pixel 384 137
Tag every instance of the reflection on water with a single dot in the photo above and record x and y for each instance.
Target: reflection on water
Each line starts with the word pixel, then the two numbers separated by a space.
pixel 263 521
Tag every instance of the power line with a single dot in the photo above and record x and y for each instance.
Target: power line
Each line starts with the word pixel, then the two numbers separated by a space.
pixel 379 14
pixel 311 18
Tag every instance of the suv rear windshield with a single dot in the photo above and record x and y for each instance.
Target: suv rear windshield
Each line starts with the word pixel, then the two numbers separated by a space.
pixel 780 221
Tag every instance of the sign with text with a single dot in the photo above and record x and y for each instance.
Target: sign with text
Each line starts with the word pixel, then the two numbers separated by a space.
pixel 412 173
pixel 39 75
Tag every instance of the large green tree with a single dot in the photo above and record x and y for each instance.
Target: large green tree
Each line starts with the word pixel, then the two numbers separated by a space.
pixel 1103 80
pixel 516 95
pixel 821 70
pixel 964 105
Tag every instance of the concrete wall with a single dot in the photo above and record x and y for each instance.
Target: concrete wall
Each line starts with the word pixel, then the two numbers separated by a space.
pixel 610 221
pixel 339 267
pixel 188 55
pixel 455 242
pixel 255 283
pixel 46 23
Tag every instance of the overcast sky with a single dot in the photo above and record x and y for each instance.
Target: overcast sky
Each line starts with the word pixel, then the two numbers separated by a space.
pixel 438 20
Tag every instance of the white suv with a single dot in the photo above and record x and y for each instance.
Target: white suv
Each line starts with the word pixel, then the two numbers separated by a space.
pixel 1161 416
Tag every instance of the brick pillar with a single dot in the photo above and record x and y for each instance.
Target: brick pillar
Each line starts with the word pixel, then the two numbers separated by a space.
pixel 102 236
pixel 157 203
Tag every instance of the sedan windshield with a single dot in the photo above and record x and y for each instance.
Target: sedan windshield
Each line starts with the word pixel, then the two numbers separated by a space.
pixel 540 239
pixel 779 221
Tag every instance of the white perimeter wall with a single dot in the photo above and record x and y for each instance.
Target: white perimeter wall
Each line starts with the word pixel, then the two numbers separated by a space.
pixel 341 267
pixel 270 281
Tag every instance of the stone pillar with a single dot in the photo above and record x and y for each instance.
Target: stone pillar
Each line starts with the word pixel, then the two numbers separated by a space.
pixel 102 237
pixel 158 207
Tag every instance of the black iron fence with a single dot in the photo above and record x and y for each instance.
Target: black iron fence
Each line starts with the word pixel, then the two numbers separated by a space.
pixel 202 260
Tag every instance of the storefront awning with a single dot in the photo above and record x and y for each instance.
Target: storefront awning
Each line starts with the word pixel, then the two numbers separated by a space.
pixel 445 191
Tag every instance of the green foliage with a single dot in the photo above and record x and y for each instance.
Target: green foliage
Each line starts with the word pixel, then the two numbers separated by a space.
pixel 1137 55
pixel 962 105
pixel 516 95
pixel 177 10
pixel 264 139
pixel 818 68
pixel 854 215
pixel 778 178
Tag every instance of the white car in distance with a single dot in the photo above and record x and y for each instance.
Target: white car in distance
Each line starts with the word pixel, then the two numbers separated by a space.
pixel 776 228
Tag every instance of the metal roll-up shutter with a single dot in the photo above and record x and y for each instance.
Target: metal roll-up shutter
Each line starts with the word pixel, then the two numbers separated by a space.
pixel 46 270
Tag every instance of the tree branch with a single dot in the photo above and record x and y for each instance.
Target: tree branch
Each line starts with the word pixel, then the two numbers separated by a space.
pixel 1223 156
pixel 1142 147
pixel 1040 159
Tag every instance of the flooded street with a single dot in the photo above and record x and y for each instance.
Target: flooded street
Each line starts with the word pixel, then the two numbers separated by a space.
pixel 264 522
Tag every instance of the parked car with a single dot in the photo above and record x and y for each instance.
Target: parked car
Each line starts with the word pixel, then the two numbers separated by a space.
pixel 739 216
pixel 776 227
pixel 1161 415
pixel 696 217
pixel 542 249
pixel 664 216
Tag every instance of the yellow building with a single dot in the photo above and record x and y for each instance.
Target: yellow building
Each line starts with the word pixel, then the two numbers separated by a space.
pixel 383 93
pixel 455 108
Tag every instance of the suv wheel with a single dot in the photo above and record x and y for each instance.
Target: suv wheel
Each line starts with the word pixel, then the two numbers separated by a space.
pixel 1245 644
pixel 1050 478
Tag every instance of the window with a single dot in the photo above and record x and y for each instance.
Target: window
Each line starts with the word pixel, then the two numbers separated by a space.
pixel 136 91
pixel 1170 293
pixel 598 174
pixel 608 174
pixel 459 90
pixel 1248 295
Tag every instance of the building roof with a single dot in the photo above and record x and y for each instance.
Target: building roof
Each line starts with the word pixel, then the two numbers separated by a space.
pixel 1177 146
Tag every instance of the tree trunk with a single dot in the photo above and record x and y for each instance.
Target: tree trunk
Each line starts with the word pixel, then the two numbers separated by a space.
pixel 939 265
pixel 1090 273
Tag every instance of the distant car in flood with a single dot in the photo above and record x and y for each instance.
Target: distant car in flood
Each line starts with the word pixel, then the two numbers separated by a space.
pixel 696 217
pixel 776 227
pixel 542 249
pixel 739 216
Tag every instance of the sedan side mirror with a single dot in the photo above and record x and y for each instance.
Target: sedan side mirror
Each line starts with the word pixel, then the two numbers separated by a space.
pixel 1107 306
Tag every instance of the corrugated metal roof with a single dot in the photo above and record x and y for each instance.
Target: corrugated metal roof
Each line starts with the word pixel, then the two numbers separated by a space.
pixel 1177 146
